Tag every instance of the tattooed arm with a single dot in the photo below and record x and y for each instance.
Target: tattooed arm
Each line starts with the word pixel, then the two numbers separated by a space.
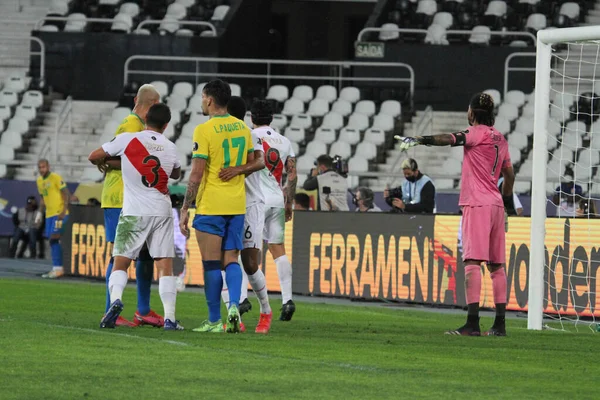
pixel 445 139
pixel 290 187
pixel 196 174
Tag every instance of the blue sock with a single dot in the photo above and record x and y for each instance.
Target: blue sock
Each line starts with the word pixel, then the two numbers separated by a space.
pixel 144 270
pixel 213 283
pixel 233 276
pixel 56 251
pixel 108 271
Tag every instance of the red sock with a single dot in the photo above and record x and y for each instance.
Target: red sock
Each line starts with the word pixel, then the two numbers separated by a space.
pixel 499 286
pixel 473 283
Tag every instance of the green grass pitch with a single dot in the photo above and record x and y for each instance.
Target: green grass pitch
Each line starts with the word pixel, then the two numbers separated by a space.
pixel 51 348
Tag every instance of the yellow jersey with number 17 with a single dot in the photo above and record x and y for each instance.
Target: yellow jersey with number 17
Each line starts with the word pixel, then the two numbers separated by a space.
pixel 224 141
pixel 50 188
pixel 112 191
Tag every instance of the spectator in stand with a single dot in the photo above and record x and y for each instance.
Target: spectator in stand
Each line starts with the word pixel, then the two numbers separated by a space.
pixel 301 202
pixel 364 200
pixel 26 229
pixel 586 208
pixel 566 195
pixel 417 193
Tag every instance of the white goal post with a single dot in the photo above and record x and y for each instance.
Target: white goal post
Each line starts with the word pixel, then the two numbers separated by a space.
pixel 547 40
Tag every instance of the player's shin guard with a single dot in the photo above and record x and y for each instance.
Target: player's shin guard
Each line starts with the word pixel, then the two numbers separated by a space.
pixel 213 283
pixel 167 288
pixel 259 286
pixel 116 285
pixel 144 269
pixel 56 252
pixel 233 276
pixel 108 272
pixel 284 270
pixel 473 290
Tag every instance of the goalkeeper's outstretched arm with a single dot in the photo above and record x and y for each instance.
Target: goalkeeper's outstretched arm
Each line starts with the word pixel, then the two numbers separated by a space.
pixel 444 139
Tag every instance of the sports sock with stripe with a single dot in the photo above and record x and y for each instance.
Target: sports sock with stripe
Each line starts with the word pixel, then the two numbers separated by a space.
pixel 259 286
pixel 168 295
pixel 284 270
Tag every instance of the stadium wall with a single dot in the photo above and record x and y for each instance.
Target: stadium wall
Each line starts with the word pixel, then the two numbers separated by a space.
pixel 393 257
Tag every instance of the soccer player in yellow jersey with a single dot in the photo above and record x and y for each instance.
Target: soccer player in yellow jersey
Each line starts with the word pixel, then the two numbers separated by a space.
pixel 221 142
pixel 112 202
pixel 55 200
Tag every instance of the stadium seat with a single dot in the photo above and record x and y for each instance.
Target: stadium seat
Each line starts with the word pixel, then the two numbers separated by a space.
pixel 175 118
pixel 316 148
pixel 295 148
pixel 333 120
pixel 295 134
pixel 496 8
pixel 292 106
pixel 529 110
pixel 452 166
pixel 176 11
pixel 176 103
pixel 515 97
pixel 589 157
pixel 342 107
pixel 496 96
pixel 571 10
pixel 389 32
pixel 91 175
pixel 131 9
pixel 524 125
pixel 303 93
pixel 8 98
pixel 195 104
pixel 456 152
pixel 48 28
pixel 375 136
pixel 236 89
pixel 575 128
pixel 436 34
pixel 3 171
pixel 161 87
pixel 169 132
pixel 327 93
pixel 318 107
pixel 198 118
pixel 522 187
pixel 325 135
pixel 199 88
pixel 582 172
pixel 444 184
pixel 365 107
pixel 122 23
pixel 391 107
pixel 15 84
pixel 508 111
pixel 183 89
pixel 357 121
pixel 384 122
pixel 350 136
pixel 535 22
pixel 350 94
pixel 6 153
pixel 207 33
pixel 341 149
pixel 518 140
pixel 303 121
pixel 188 130
pixel 367 150
pixel 11 139
pixel 279 122
pixel 248 119
pixel 358 164
pixel 76 22
pixel 305 163
pixel 5 113
pixel 424 13
pixel 444 19
pixel 515 154
pixel 141 31
pixel 220 13
pixel 120 113
pixel 480 35
pixel 26 112
pixel 169 26
pixel 59 8
pixel 279 93
pixel 502 125
pixel 18 124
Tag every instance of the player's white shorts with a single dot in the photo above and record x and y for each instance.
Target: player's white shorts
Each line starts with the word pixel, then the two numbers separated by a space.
pixel 274 232
pixel 133 231
pixel 253 226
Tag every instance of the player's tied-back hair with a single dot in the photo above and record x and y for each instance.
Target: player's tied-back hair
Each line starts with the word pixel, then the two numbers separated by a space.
pixel 159 115
pixel 219 91
pixel 262 113
pixel 482 107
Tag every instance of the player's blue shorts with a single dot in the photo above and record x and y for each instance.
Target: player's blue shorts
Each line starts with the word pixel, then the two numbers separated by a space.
pixel 111 219
pixel 53 225
pixel 229 227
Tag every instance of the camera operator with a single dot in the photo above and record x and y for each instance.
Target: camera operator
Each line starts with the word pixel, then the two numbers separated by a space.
pixel 417 193
pixel 364 200
pixel 327 178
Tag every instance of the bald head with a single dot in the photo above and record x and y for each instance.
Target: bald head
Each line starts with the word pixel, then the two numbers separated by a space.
pixel 147 96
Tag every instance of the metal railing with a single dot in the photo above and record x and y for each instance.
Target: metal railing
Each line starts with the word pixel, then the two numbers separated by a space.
pixel 181 23
pixel 65 116
pixel 339 66
pixel 523 34
pixel 41 53
pixel 508 69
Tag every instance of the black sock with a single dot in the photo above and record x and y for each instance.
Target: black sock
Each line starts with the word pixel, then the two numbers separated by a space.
pixel 473 315
pixel 500 313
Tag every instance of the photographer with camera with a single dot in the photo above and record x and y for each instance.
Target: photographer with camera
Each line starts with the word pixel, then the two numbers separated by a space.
pixel 329 180
pixel 417 193
pixel 364 200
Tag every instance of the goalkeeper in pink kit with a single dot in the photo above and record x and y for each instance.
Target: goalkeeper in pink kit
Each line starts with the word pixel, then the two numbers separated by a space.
pixel 486 157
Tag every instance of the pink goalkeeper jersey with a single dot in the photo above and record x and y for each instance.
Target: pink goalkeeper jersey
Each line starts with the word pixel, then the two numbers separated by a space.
pixel 486 153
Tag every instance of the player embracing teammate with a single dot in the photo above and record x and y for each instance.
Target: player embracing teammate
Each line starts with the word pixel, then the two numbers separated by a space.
pixel 486 157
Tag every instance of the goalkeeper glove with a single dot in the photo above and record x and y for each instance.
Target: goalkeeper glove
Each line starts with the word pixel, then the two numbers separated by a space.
pixel 407 142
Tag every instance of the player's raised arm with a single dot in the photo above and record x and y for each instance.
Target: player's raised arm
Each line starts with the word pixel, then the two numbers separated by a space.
pixel 444 139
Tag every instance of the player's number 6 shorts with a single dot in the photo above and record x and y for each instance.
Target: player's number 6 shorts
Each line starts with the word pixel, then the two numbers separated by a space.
pixel 133 231
pixel 253 226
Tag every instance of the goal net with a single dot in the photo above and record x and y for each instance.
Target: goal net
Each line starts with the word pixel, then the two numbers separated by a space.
pixel 565 234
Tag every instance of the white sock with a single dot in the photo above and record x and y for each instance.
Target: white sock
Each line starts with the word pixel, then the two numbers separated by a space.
pixel 284 270
pixel 57 268
pixel 116 284
pixel 244 292
pixel 259 285
pixel 167 288
pixel 225 291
